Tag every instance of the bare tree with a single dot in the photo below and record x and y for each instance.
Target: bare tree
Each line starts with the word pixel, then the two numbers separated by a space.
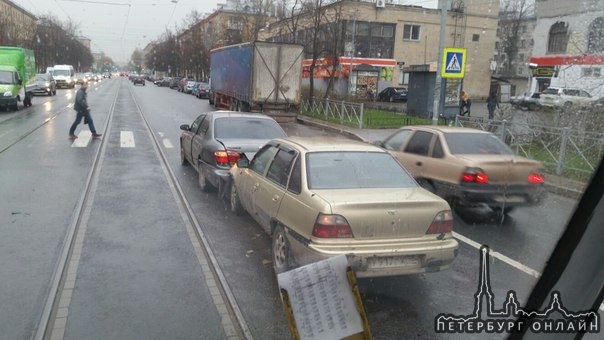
pixel 513 15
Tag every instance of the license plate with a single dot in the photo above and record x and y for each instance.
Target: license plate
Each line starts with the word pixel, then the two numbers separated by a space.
pixel 392 261
pixel 511 199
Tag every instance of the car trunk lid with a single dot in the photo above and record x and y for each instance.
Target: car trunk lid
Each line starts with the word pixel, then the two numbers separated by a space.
pixel 385 213
pixel 505 170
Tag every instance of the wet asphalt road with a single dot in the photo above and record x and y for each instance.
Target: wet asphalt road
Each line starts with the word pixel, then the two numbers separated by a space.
pixel 138 277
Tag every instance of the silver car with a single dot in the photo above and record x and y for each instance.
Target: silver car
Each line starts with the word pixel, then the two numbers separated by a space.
pixel 216 140
pixel 43 83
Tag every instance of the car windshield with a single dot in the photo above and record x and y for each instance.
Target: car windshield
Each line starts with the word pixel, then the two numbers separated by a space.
pixel 476 144
pixel 244 127
pixel 42 78
pixel 349 170
pixel 61 72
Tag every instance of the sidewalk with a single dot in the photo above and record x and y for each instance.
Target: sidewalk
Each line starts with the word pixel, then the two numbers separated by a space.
pixel 556 184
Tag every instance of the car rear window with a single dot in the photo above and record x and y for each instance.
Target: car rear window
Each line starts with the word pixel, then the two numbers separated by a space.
pixel 476 144
pixel 247 127
pixel 348 170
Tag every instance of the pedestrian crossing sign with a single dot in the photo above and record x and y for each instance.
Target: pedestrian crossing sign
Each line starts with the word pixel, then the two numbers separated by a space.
pixel 454 63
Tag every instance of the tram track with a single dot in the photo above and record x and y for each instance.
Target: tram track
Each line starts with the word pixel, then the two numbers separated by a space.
pixel 54 316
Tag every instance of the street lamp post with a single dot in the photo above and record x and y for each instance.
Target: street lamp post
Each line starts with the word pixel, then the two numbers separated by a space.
pixel 352 90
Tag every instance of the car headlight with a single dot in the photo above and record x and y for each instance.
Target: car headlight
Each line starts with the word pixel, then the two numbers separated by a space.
pixel 7 94
pixel 47 84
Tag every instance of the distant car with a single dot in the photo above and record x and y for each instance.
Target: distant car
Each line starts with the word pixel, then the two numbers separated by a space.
pixel 566 98
pixel 183 85
pixel 174 82
pixel 393 94
pixel 138 79
pixel 216 140
pixel 468 167
pixel 43 83
pixel 165 82
pixel 321 197
pixel 80 78
pixel 203 90
pixel 527 100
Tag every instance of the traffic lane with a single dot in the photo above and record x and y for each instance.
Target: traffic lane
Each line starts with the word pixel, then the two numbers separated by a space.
pixel 138 275
pixel 528 235
pixel 42 180
pixel 15 124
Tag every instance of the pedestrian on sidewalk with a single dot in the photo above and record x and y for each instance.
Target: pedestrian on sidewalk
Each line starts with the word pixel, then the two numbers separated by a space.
pixel 83 110
pixel 492 104
pixel 464 103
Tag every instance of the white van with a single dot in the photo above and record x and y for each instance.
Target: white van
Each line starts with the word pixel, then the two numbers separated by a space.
pixel 64 76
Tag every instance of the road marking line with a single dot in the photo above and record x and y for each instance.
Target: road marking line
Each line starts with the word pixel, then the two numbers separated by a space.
pixel 504 258
pixel 167 143
pixel 126 139
pixel 83 139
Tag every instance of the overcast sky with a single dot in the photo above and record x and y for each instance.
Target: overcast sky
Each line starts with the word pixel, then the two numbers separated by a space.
pixel 117 27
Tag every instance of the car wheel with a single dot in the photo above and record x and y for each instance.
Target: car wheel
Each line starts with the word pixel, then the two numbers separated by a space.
pixel 203 181
pixel 183 158
pixel 505 211
pixel 235 203
pixel 531 107
pixel 280 251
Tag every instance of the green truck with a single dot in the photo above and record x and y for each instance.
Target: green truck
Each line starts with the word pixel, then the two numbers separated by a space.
pixel 17 69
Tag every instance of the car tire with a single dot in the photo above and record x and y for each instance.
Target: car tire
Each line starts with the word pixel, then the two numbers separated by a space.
pixel 203 181
pixel 234 201
pixel 280 251
pixel 567 106
pixel 183 159
pixel 531 107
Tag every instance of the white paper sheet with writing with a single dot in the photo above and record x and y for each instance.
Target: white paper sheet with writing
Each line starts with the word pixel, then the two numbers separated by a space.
pixel 322 299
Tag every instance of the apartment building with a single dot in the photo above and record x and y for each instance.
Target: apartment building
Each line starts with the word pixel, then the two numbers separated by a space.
pixel 17 26
pixel 401 36
pixel 569 46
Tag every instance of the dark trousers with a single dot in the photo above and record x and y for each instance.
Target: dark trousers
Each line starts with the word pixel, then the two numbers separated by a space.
pixel 87 120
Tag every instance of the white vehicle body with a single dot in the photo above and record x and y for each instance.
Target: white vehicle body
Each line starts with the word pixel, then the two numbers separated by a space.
pixel 64 76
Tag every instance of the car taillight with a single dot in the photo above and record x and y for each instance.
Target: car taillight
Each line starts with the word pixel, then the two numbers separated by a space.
pixel 442 223
pixel 474 175
pixel 331 226
pixel 535 178
pixel 226 157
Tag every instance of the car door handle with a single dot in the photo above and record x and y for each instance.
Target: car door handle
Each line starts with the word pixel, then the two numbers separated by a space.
pixel 275 198
pixel 419 163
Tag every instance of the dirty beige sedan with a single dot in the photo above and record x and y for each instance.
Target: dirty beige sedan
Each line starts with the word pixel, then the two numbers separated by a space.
pixel 468 167
pixel 321 197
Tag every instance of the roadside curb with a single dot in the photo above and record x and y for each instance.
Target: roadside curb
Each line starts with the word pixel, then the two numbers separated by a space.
pixel 552 188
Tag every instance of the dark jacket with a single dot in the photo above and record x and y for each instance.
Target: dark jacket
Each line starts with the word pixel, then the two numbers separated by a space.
pixel 81 103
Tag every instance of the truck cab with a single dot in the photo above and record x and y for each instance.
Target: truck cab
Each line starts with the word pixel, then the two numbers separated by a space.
pixel 17 69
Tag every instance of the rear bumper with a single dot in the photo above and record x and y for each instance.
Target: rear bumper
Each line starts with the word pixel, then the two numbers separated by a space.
pixel 382 258
pixel 494 195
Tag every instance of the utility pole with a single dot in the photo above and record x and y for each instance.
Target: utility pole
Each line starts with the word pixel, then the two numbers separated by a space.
pixel 438 88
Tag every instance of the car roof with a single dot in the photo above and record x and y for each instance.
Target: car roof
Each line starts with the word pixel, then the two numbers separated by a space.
pixel 221 114
pixel 322 143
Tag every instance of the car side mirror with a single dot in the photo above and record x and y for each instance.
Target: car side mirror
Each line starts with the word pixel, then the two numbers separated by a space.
pixel 185 127
pixel 243 163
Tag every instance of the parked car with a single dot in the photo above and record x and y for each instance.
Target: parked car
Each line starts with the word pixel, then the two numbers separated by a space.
pixel 321 197
pixel 565 97
pixel 393 94
pixel 216 140
pixel 138 79
pixel 174 82
pixel 526 100
pixel 202 90
pixel 185 85
pixel 43 83
pixel 468 167
pixel 165 82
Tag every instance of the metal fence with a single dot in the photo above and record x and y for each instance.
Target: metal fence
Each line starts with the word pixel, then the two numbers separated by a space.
pixel 337 111
pixel 562 151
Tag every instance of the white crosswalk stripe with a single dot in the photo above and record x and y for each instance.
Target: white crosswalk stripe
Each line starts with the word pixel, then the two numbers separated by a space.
pixel 83 139
pixel 126 139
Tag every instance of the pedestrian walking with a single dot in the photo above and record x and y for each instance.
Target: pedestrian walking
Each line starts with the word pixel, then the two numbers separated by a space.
pixel 464 103
pixel 83 110
pixel 492 104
